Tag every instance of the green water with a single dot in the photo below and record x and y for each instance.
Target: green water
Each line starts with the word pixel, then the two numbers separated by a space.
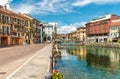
pixel 82 62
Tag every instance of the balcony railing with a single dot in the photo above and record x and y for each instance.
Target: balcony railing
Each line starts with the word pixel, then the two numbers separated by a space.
pixel 14 30
pixel 5 33
pixel 21 30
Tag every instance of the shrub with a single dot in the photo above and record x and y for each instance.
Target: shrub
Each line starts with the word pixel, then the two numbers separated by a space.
pixel 110 41
pixel 57 75
pixel 118 41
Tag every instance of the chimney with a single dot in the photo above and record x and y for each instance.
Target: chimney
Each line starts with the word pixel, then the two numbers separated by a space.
pixel 19 13
pixel 1 6
pixel 5 7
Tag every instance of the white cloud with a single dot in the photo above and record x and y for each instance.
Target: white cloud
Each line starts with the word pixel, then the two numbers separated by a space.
pixel 69 28
pixel 25 8
pixel 5 2
pixel 51 6
pixel 44 7
pixel 86 2
pixel 66 29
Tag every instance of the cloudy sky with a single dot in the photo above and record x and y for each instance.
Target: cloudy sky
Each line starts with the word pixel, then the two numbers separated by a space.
pixel 68 14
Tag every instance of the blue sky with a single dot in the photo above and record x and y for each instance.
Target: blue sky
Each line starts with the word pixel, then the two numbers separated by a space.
pixel 68 14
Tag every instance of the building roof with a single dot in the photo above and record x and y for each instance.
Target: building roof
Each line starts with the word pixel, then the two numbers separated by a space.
pixel 28 16
pixel 108 16
pixel 9 12
pixel 115 22
pixel 47 25
pixel 81 27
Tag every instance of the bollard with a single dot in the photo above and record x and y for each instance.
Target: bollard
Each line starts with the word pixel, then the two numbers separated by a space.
pixel 51 64
pixel 48 76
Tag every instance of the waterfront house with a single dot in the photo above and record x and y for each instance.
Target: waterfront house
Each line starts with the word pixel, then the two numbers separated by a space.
pixel 72 36
pixel 50 31
pixel 81 34
pixel 98 29
pixel 115 30
pixel 62 36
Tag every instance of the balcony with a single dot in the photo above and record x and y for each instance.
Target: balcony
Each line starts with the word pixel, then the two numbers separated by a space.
pixel 5 33
pixel 22 30
pixel 0 32
pixel 13 34
pixel 15 23
pixel 14 30
pixel 19 36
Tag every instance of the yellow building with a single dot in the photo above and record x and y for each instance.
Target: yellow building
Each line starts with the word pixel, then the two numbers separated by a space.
pixel 72 36
pixel 36 31
pixel 29 28
pixel 81 34
pixel 33 30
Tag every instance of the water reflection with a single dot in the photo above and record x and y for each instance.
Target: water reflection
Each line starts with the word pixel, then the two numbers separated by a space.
pixel 98 57
pixel 82 62
pixel 79 51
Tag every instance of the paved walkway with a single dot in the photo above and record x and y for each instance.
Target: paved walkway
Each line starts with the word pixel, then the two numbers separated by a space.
pixel 36 67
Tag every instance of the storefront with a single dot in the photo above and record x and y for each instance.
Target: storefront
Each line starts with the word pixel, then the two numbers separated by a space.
pixel 5 40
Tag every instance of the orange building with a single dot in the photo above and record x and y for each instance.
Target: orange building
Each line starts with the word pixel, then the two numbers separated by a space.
pixel 11 27
pixel 62 36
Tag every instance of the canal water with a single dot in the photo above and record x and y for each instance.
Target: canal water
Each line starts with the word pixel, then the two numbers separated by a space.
pixel 80 62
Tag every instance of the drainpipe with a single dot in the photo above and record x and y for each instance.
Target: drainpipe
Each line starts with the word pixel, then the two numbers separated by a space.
pixel 41 35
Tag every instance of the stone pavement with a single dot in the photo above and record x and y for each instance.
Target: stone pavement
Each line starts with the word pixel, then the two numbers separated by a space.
pixel 36 67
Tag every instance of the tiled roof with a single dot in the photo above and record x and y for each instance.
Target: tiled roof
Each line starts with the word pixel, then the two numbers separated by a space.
pixel 81 27
pixel 10 13
pixel 108 16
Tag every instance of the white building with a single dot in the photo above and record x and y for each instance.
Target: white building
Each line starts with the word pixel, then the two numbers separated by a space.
pixel 49 29
pixel 114 29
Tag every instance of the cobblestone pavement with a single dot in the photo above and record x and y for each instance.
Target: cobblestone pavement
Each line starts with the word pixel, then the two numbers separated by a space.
pixel 36 67
pixel 12 58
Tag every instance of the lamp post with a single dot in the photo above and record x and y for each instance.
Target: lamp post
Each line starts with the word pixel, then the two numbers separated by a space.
pixel 41 32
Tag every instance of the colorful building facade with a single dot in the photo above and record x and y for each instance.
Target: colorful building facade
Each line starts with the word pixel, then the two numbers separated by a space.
pixel 98 29
pixel 115 30
pixel 49 31
pixel 17 29
pixel 72 36
pixel 11 27
pixel 81 34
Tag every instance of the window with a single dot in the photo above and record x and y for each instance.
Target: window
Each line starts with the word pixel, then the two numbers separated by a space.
pixel 0 29
pixel 11 19
pixel 3 19
pixel 22 34
pixel 5 30
pixel 0 17
pixel 113 28
pixel 19 35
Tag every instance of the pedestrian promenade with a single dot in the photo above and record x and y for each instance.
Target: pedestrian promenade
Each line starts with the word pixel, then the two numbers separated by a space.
pixel 36 67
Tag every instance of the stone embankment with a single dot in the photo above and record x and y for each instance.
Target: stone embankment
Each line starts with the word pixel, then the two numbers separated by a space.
pixel 112 45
